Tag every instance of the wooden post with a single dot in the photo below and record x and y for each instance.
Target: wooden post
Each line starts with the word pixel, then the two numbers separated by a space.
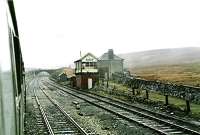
pixel 147 94
pixel 166 100
pixel 99 80
pixel 188 106
pixel 107 80
pixel 133 91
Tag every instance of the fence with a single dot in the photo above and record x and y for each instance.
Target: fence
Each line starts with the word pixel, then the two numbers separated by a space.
pixel 188 93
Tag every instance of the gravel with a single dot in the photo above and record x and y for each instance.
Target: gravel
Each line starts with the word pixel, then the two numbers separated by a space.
pixel 95 120
pixel 92 119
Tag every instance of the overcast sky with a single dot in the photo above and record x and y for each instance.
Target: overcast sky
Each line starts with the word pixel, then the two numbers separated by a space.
pixel 53 32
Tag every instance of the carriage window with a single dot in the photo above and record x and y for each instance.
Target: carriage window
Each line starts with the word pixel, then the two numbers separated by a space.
pixel 18 62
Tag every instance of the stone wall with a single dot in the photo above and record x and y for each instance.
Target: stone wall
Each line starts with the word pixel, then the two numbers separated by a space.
pixel 181 91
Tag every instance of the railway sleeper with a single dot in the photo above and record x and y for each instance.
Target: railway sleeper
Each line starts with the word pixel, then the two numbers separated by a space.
pixel 65 132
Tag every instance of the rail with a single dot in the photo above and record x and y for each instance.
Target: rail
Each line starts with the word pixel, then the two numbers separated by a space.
pixel 171 126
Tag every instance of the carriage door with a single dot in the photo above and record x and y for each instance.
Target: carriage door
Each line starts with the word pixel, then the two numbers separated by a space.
pixel 89 83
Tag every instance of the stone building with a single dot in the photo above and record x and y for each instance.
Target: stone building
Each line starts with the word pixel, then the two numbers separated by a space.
pixel 109 63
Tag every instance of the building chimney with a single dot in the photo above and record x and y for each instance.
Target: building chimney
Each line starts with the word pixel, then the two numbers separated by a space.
pixel 110 54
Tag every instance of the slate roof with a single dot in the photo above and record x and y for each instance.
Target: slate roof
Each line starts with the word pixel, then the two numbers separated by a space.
pixel 105 57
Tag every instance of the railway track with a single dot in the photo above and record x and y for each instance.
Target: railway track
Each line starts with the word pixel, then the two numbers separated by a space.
pixel 56 120
pixel 42 129
pixel 160 123
pixel 161 115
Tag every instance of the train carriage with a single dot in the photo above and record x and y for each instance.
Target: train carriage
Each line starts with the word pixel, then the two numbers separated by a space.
pixel 12 86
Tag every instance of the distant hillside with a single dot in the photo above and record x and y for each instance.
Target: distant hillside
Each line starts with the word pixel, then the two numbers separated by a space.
pixel 187 74
pixel 162 57
pixel 179 65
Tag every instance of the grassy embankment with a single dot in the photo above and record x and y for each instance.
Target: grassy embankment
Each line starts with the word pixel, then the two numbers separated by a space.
pixel 153 96
pixel 187 74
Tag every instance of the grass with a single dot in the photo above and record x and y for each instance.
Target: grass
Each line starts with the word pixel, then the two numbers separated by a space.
pixel 154 96
pixel 119 86
pixel 195 108
pixel 185 74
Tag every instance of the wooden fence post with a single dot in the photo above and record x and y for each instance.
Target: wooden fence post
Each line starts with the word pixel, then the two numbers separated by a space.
pixel 133 91
pixel 107 79
pixel 166 100
pixel 188 106
pixel 147 94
